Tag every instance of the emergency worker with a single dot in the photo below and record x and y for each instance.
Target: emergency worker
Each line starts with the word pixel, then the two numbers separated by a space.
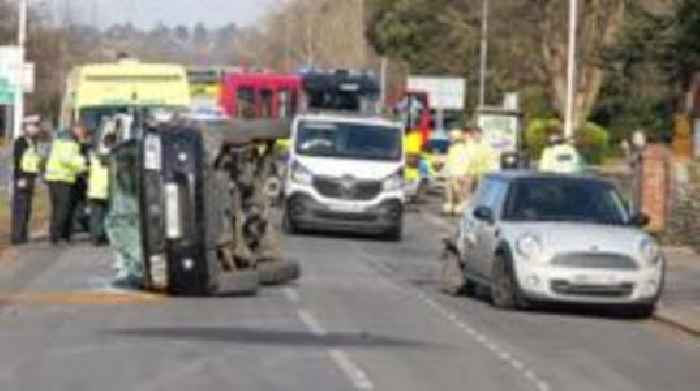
pixel 483 158
pixel 64 165
pixel 27 163
pixel 560 157
pixel 413 146
pixel 98 185
pixel 456 168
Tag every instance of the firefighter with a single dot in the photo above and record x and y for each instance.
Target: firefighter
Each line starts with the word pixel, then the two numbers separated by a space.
pixel 456 169
pixel 413 147
pixel 64 165
pixel 482 160
pixel 98 185
pixel 560 157
pixel 27 162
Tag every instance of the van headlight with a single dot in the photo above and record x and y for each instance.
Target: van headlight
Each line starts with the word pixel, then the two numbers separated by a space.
pixel 152 154
pixel 649 251
pixel 173 220
pixel 393 182
pixel 300 174
pixel 529 246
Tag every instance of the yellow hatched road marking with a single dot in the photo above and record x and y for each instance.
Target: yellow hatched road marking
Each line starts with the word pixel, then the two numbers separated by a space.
pixel 83 298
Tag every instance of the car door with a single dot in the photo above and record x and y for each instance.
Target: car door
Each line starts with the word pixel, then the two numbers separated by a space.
pixel 471 228
pixel 487 233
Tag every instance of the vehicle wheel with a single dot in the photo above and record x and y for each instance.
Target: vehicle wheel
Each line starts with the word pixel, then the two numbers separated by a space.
pixel 504 289
pixel 452 281
pixel 288 225
pixel 278 272
pixel 641 311
pixel 395 234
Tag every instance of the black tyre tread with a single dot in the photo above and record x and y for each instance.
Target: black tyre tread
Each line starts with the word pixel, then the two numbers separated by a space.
pixel 239 283
pixel 279 272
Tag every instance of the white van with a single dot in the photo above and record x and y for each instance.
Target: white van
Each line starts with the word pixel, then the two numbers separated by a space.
pixel 345 174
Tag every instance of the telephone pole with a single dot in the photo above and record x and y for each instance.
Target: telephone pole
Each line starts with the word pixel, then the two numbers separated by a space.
pixel 484 52
pixel 19 90
pixel 571 71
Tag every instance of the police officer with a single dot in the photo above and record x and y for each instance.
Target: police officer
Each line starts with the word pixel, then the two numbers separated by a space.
pixel 27 162
pixel 560 157
pixel 483 158
pixel 456 168
pixel 64 165
pixel 98 188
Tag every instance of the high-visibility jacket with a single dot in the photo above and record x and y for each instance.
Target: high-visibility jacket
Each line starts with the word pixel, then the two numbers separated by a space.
pixel 457 163
pixel 98 179
pixel 65 161
pixel 31 160
pixel 482 160
pixel 561 159
pixel 413 142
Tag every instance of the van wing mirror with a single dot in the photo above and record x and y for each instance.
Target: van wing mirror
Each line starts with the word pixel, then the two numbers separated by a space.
pixel 485 214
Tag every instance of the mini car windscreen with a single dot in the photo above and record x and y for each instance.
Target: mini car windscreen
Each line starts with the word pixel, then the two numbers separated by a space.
pixel 565 200
pixel 349 141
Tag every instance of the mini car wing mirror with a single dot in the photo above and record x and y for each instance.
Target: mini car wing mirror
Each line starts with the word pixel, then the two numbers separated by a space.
pixel 485 214
pixel 640 220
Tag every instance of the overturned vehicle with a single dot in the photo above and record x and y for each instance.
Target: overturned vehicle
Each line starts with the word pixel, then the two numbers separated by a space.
pixel 189 214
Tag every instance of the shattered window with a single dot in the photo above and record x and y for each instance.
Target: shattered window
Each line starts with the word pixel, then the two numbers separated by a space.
pixel 123 223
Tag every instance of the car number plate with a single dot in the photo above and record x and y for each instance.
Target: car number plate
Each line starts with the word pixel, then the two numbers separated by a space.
pixel 595 279
pixel 347 208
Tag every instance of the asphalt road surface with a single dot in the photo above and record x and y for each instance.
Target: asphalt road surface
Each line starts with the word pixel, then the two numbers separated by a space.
pixel 366 315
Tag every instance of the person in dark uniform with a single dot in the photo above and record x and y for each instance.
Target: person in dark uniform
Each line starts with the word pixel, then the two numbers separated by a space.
pixel 27 162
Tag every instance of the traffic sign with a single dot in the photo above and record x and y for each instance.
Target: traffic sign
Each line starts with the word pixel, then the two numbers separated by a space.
pixel 7 93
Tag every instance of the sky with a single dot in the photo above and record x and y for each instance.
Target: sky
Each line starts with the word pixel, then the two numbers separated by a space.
pixel 147 13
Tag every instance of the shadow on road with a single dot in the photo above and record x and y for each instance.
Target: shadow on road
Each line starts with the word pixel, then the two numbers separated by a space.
pixel 248 336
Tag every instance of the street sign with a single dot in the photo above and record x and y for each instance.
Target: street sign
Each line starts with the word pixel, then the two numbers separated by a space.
pixel 10 60
pixel 445 93
pixel 7 93
pixel 501 128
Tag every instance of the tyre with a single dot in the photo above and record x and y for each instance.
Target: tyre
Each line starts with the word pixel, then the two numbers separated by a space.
pixel 288 225
pixel 395 234
pixel 641 311
pixel 452 280
pixel 237 283
pixel 278 272
pixel 505 293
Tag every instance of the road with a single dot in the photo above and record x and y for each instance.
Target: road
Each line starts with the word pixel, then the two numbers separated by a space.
pixel 365 316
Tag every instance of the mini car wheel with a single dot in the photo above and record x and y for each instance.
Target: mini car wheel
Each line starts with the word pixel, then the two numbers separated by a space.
pixel 505 293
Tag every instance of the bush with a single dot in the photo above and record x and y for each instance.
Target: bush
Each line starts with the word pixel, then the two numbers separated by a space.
pixel 537 135
pixel 591 140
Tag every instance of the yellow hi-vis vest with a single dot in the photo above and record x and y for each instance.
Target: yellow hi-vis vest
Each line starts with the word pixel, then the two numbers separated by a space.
pixel 98 179
pixel 65 161
pixel 457 164
pixel 31 160
pixel 483 159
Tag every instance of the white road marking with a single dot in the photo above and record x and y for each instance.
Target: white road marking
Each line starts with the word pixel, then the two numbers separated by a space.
pixel 292 295
pixel 352 371
pixel 311 323
pixel 498 351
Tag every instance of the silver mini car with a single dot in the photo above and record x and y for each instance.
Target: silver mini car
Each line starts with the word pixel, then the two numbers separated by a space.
pixel 543 237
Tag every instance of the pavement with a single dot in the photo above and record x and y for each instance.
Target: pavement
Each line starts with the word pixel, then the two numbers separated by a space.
pixel 680 304
pixel 366 315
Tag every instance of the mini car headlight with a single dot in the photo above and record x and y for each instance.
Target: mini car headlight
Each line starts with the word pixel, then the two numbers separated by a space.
pixel 393 182
pixel 301 174
pixel 649 251
pixel 529 246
